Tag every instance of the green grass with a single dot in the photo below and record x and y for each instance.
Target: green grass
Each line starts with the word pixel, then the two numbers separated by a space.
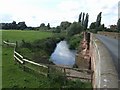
pixel 18 35
pixel 12 75
pixel 15 77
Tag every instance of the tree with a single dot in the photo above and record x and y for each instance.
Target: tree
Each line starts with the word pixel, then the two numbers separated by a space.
pixel 98 20
pixel 86 21
pixel 80 16
pixel 48 26
pixel 14 25
pixel 21 25
pixel 101 27
pixel 75 28
pixel 64 25
pixel 83 19
pixel 93 25
pixel 118 25
pixel 42 25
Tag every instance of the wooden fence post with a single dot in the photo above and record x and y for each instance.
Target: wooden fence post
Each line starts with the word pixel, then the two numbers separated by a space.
pixel 64 76
pixel 16 45
pixel 48 71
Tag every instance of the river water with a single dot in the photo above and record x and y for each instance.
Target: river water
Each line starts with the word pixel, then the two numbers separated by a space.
pixel 62 55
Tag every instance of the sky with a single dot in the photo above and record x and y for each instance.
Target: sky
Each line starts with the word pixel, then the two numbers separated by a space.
pixel 35 12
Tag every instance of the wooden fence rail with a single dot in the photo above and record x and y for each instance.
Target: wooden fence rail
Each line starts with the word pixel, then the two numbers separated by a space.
pixel 18 57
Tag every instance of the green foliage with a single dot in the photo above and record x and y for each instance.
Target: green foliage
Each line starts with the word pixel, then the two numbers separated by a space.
pixel 75 28
pixel 83 19
pixel 86 21
pixel 101 28
pixel 93 25
pixel 74 41
pixel 39 50
pixel 64 25
pixel 80 16
pixel 48 26
pixel 98 20
pixel 57 30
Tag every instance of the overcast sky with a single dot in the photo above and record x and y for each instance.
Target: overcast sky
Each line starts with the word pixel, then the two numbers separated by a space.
pixel 35 12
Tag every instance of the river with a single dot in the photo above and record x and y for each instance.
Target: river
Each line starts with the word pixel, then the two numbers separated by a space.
pixel 62 55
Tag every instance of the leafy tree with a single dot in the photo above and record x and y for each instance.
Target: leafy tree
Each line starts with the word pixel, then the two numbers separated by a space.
pixel 48 26
pixel 93 25
pixel 80 16
pixel 118 25
pixel 64 25
pixel 14 25
pixel 101 28
pixel 21 25
pixel 86 21
pixel 75 28
pixel 42 25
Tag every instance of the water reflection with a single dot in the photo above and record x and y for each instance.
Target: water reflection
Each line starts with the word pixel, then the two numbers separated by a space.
pixel 62 55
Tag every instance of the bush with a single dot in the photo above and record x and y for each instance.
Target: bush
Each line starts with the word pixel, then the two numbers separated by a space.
pixel 75 28
pixel 74 41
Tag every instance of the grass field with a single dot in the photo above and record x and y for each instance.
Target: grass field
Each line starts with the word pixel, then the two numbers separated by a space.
pixel 18 35
pixel 12 75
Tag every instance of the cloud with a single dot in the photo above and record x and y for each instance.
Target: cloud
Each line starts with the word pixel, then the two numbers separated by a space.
pixel 6 18
pixel 35 12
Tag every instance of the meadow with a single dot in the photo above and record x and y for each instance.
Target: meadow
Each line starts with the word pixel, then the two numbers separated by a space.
pixel 18 35
pixel 12 75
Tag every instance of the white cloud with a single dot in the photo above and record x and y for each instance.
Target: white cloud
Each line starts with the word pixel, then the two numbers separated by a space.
pixel 55 11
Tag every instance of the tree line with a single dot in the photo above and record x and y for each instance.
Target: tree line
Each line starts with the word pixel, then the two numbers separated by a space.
pixel 70 28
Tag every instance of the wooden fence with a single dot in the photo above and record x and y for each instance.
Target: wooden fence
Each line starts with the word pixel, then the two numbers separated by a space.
pixel 44 69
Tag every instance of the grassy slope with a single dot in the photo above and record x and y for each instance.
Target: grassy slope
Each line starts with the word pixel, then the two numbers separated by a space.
pixel 13 76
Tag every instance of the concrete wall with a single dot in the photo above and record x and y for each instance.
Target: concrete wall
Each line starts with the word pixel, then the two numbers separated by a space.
pixel 105 74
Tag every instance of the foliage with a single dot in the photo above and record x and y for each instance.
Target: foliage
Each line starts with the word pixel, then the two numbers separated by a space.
pixel 40 49
pixel 64 25
pixel 13 25
pixel 83 19
pixel 101 28
pixel 21 26
pixel 80 16
pixel 75 28
pixel 93 25
pixel 57 30
pixel 86 21
pixel 48 26
pixel 98 20
pixel 74 41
